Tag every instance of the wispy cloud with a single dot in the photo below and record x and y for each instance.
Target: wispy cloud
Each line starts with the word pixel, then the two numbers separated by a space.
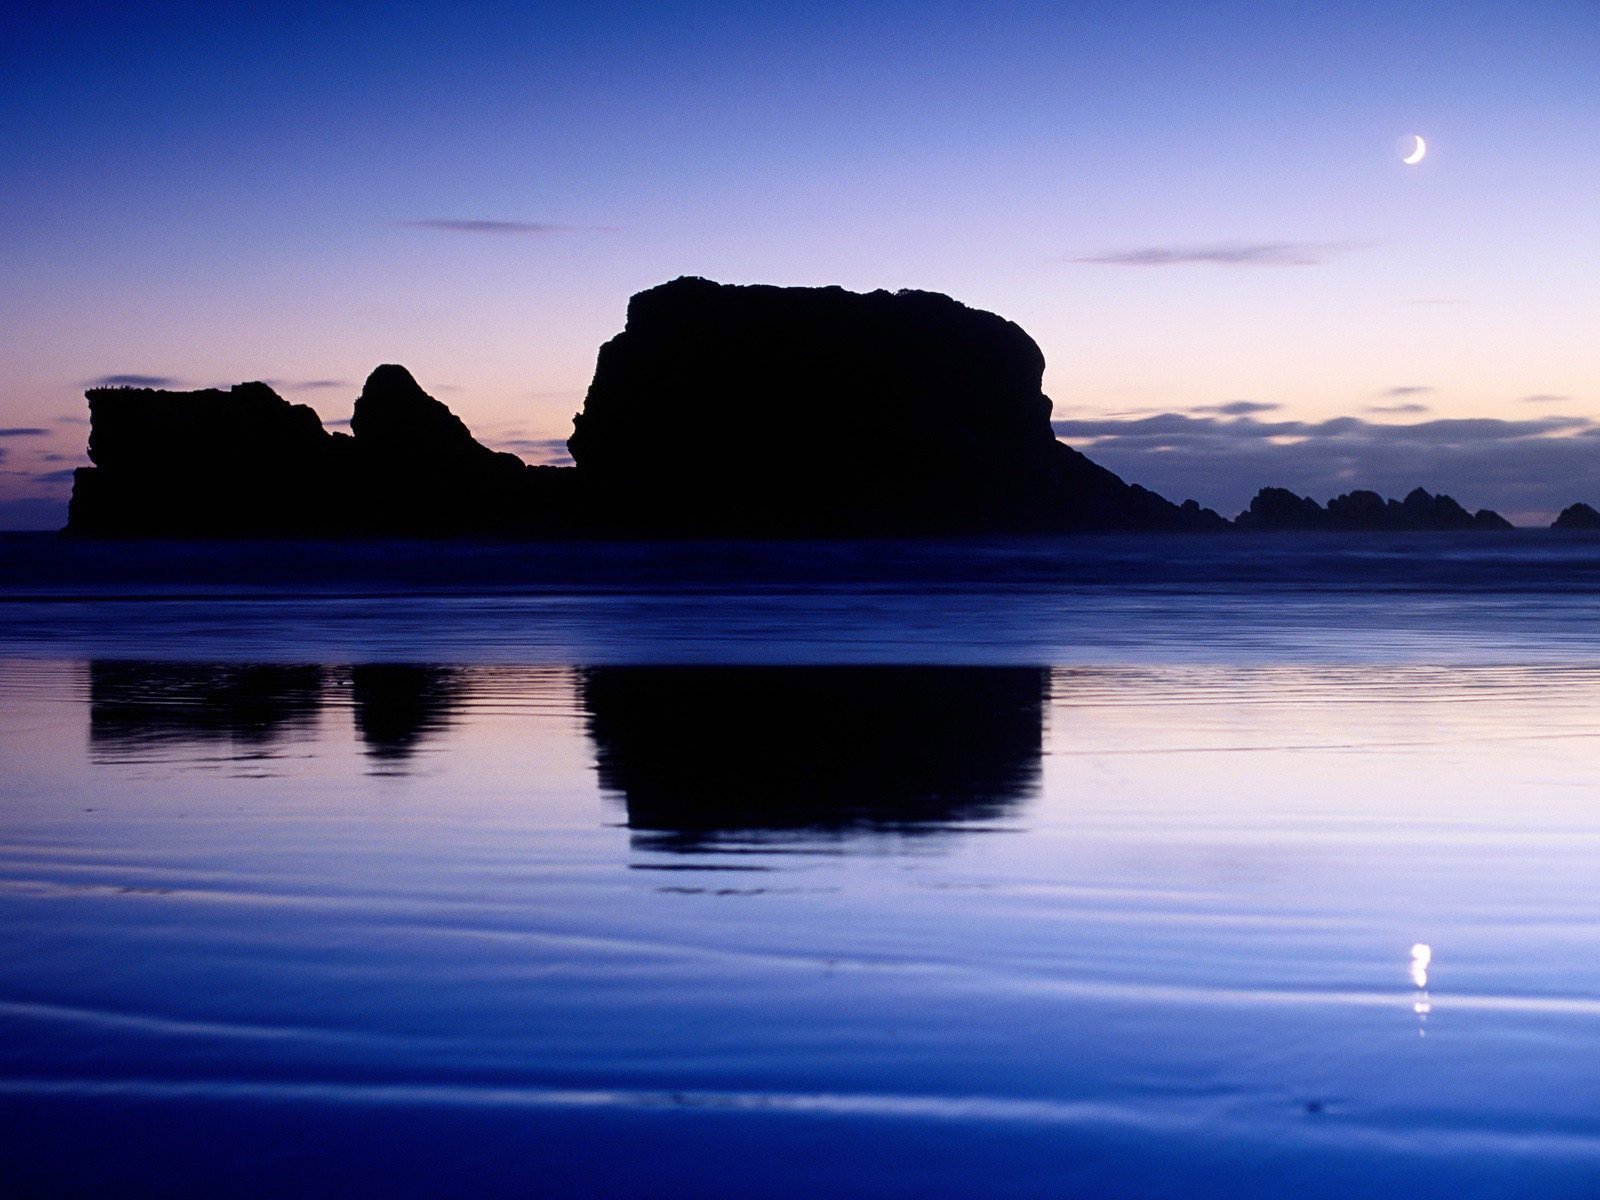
pixel 1237 408
pixel 306 385
pixel 49 477
pixel 445 225
pixel 1445 431
pixel 135 381
pixel 1410 389
pixel 20 431
pixel 1542 398
pixel 1223 254
pixel 1397 409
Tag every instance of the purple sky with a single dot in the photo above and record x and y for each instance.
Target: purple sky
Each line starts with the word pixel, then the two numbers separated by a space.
pixel 1195 210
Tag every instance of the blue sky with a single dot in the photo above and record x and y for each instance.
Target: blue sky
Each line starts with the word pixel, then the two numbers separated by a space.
pixel 210 193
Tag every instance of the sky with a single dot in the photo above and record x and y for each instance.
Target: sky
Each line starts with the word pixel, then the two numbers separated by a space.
pixel 1198 211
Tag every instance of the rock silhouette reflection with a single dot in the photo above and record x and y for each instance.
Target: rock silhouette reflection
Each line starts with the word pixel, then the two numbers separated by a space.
pixel 157 709
pixel 397 706
pixel 139 707
pixel 698 752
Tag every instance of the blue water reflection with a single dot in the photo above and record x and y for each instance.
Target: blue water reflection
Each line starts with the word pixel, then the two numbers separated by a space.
pixel 1134 930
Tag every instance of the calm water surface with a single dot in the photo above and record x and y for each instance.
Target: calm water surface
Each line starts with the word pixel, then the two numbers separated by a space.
pixel 1123 922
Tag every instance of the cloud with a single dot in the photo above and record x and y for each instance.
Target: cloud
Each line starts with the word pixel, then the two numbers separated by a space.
pixel 503 227
pixel 1444 431
pixel 135 381
pixel 1542 398
pixel 17 431
pixel 1397 408
pixel 1515 466
pixel 1412 389
pixel 306 385
pixel 1237 408
pixel 64 476
pixel 543 452
pixel 1225 254
pixel 72 419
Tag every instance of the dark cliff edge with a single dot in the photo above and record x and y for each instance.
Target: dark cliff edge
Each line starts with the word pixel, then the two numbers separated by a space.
pixel 719 411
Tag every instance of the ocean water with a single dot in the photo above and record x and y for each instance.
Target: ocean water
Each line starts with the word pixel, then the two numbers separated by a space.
pixel 1206 867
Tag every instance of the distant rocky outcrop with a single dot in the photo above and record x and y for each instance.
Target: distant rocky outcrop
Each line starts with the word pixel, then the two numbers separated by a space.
pixel 1577 516
pixel 765 410
pixel 1278 508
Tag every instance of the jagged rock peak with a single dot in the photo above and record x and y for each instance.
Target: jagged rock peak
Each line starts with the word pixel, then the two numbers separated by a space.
pixel 393 412
pixel 1577 516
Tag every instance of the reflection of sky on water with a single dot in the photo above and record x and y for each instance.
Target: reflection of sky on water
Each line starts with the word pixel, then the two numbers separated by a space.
pixel 1180 962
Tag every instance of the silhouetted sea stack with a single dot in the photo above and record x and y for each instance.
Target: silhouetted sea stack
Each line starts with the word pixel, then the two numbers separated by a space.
pixel 815 411
pixel 718 411
pixel 246 462
pixel 1364 511
pixel 1577 516
pixel 418 470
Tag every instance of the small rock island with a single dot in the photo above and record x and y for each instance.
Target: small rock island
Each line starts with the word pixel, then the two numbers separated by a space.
pixel 718 411
pixel 1364 511
pixel 1577 516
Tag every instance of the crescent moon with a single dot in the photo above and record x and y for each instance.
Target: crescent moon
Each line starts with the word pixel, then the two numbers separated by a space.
pixel 1415 156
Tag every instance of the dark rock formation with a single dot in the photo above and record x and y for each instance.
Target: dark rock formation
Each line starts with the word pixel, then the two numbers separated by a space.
pixel 719 411
pixel 246 462
pixel 1277 508
pixel 795 411
pixel 419 470
pixel 1577 516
